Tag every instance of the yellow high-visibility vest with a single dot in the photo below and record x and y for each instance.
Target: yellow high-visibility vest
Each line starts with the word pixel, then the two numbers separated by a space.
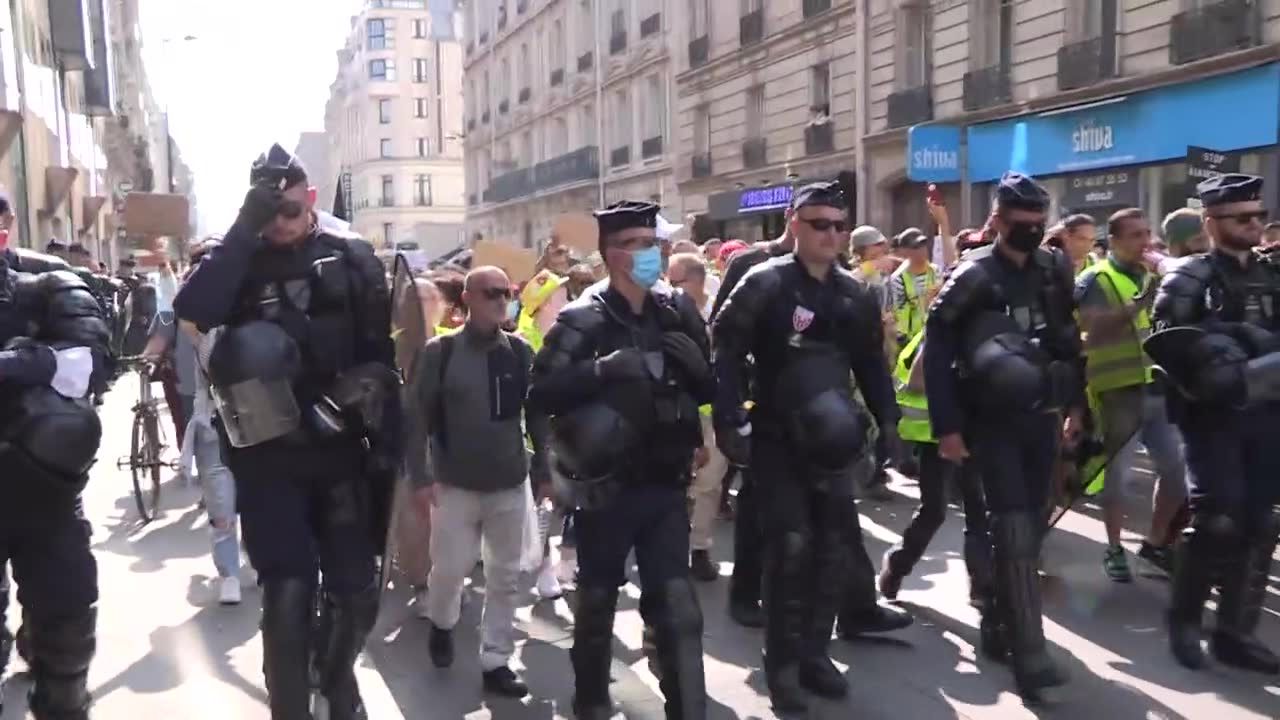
pixel 914 425
pixel 910 315
pixel 1122 363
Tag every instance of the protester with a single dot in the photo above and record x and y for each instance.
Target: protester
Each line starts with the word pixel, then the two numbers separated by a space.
pixel 1079 233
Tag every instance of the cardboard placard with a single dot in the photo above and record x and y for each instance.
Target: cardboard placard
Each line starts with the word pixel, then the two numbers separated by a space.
pixel 156 214
pixel 518 263
pixel 579 231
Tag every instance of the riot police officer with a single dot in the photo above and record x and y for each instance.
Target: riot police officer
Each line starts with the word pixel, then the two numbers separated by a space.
pixel 1217 313
pixel 807 323
pixel 303 313
pixel 1001 368
pixel 53 339
pixel 622 373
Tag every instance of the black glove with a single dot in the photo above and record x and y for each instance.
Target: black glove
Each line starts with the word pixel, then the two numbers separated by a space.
pixel 624 364
pixel 685 352
pixel 260 206
pixel 734 444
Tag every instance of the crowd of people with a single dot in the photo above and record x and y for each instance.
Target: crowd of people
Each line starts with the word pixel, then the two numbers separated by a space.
pixel 627 395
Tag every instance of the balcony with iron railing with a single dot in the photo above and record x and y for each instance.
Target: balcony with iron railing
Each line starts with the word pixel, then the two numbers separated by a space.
pixel 471 123
pixel 819 138
pixel 751 28
pixel 650 25
pixel 1214 29
pixel 911 106
pixel 503 106
pixel 584 62
pixel 617 42
pixel 699 51
pixel 987 87
pixel 620 156
pixel 651 147
pixel 557 77
pixel 813 7
pixel 701 165
pixel 484 117
pixel 522 5
pixel 525 94
pixel 1087 62
pixel 577 166
pixel 502 18
pixel 754 152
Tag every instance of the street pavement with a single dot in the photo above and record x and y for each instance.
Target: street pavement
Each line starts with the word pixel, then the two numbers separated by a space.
pixel 167 650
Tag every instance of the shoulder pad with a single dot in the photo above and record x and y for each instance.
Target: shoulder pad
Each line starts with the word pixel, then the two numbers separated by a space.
pixel 765 276
pixel 1190 276
pixel 30 261
pixel 59 280
pixel 584 314
pixel 965 283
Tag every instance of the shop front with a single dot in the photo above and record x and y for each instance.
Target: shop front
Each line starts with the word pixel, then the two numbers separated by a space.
pixel 1138 150
pixel 756 214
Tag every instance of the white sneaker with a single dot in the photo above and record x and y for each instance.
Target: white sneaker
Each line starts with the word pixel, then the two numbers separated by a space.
pixel 229 591
pixel 420 603
pixel 567 569
pixel 548 584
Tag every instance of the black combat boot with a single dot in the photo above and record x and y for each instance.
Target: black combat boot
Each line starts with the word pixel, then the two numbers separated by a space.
pixel 286 642
pixel 788 568
pixel 678 627
pixel 592 651
pixel 861 613
pixel 839 531
pixel 60 652
pixel 1244 593
pixel 351 617
pixel 1017 538
pixel 1193 571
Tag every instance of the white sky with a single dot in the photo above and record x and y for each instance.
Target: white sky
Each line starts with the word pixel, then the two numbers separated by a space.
pixel 258 72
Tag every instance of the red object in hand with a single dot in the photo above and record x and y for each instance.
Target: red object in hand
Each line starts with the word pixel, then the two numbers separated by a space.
pixel 934 195
pixel 4 239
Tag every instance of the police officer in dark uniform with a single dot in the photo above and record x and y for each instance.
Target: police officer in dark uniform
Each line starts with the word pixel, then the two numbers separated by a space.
pixel 303 314
pixel 52 338
pixel 1222 355
pixel 807 323
pixel 1002 366
pixel 622 374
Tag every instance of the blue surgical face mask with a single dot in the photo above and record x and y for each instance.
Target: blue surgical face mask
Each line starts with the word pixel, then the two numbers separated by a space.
pixel 646 266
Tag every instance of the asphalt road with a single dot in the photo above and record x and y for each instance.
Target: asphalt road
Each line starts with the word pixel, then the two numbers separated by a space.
pixel 167 650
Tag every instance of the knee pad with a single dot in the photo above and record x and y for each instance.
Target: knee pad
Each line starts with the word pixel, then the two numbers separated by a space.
pixel 1217 529
pixel 683 614
pixel 933 516
pixel 795 546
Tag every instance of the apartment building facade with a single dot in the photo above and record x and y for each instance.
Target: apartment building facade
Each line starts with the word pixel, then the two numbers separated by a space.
pixel 766 101
pixel 567 108
pixel 394 126
pixel 1112 103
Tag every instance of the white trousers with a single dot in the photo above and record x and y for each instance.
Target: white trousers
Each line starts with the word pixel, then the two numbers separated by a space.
pixel 705 491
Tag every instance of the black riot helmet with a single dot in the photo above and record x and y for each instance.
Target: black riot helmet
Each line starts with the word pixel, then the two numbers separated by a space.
pixel 251 371
pixel 277 167
pixel 592 442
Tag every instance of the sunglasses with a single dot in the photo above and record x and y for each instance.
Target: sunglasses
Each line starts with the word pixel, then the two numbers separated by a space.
pixel 290 209
pixel 496 293
pixel 823 224
pixel 1244 218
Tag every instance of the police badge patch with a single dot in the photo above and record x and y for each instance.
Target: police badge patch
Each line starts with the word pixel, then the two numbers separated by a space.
pixel 801 319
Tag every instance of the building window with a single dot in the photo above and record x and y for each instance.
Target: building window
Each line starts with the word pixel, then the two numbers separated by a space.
pixel 750 6
pixel 384 111
pixel 586 26
pixel 419 70
pixel 419 28
pixel 422 146
pixel 421 189
pixel 820 90
pixel 913 47
pixel 588 128
pixel 384 147
pixel 700 13
pixel 420 107
pixel 525 66
pixel 379 33
pixel 702 129
pixel 382 70
pixel 618 18
pixel 388 191
pixel 755 112
pixel 990 33
pixel 556 48
pixel 655 108
pixel 620 132
pixel 388 235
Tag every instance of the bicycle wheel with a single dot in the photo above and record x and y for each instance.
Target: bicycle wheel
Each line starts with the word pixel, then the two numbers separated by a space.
pixel 144 465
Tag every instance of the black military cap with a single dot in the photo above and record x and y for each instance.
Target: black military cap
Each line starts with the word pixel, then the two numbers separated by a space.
pixel 78 248
pixel 277 165
pixel 911 238
pixel 55 246
pixel 626 214
pixel 1021 192
pixel 826 194
pixel 1229 188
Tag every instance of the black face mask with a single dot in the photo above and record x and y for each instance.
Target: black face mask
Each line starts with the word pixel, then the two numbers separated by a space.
pixel 1025 236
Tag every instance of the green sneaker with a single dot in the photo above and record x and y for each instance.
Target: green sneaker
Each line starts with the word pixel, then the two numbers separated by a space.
pixel 1116 565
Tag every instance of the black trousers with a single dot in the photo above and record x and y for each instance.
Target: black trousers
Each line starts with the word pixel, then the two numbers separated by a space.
pixel 1014 455
pixel 303 508
pixel 748 543
pixel 936 475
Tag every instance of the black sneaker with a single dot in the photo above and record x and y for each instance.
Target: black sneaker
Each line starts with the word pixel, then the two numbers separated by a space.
pixel 440 645
pixel 701 566
pixel 1160 558
pixel 503 681
pixel 1115 564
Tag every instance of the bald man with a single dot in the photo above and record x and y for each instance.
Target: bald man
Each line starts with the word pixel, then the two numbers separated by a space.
pixel 474 487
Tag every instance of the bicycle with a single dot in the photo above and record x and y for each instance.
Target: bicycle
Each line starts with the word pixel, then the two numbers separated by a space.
pixel 147 446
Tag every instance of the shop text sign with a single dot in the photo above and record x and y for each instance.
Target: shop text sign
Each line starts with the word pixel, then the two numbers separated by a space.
pixel 933 153
pixel 774 197
pixel 1203 163
pixel 1097 190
